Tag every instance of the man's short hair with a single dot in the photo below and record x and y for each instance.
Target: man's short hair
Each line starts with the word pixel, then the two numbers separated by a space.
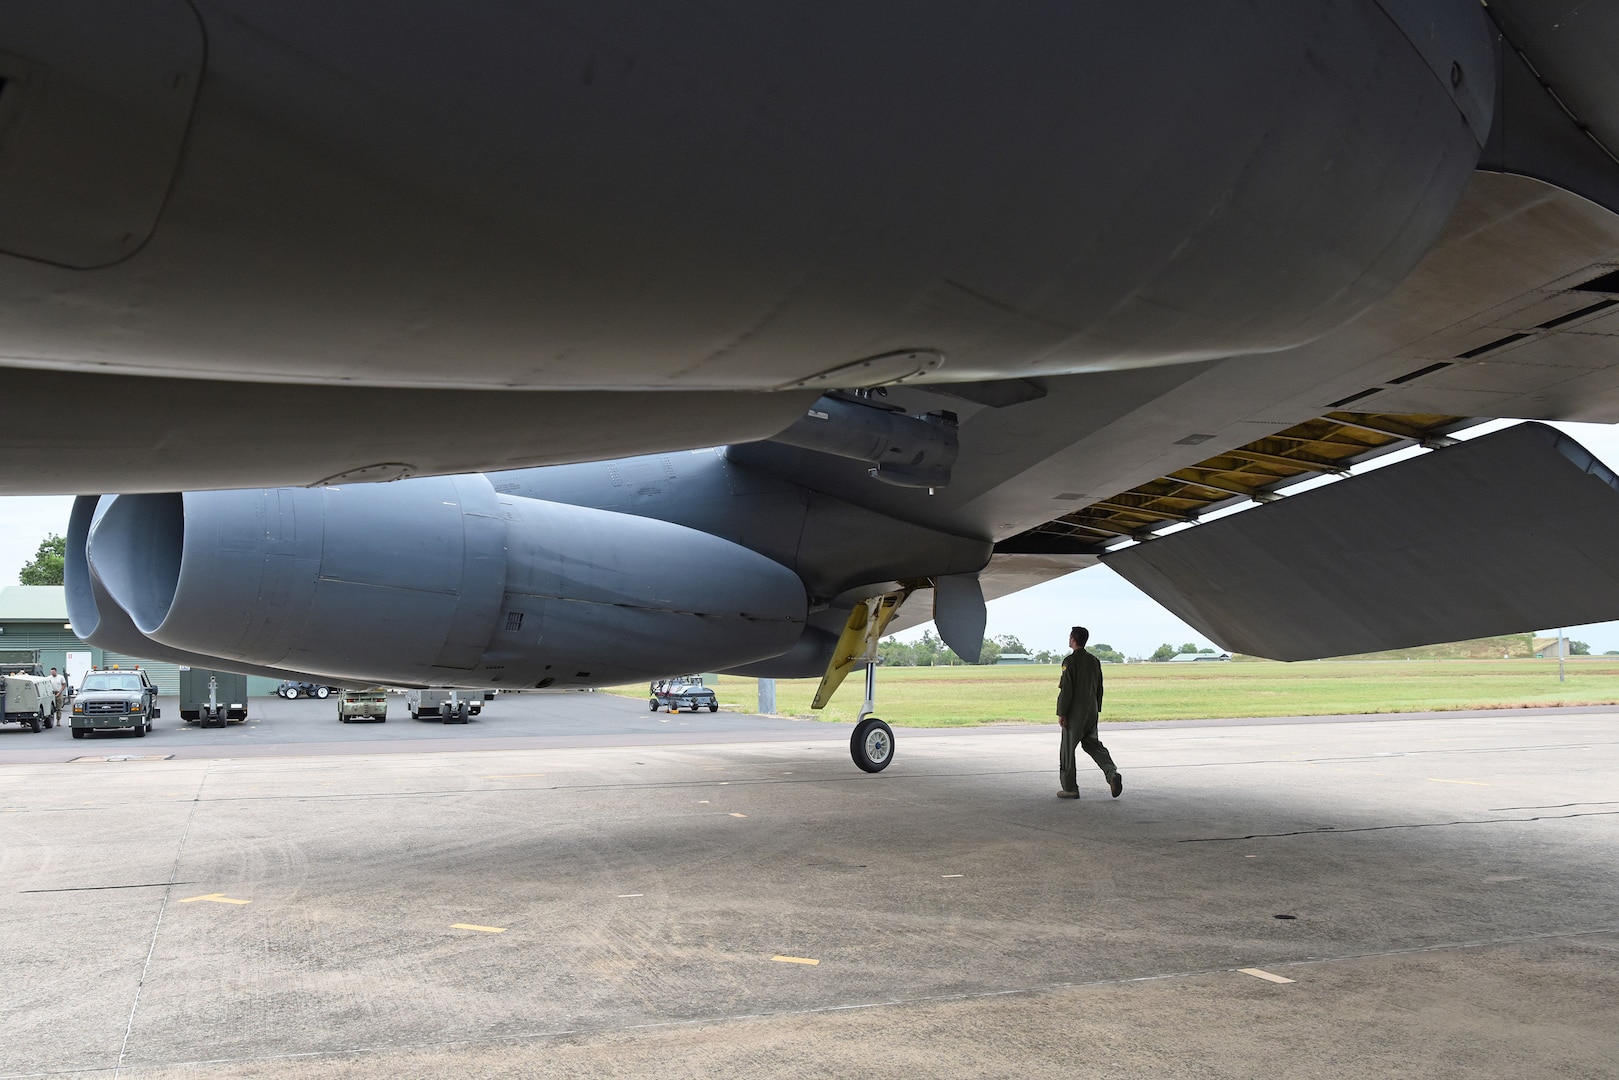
pixel 1080 635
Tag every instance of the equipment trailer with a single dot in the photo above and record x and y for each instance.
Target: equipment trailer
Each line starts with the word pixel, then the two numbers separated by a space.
pixel 212 697
pixel 26 697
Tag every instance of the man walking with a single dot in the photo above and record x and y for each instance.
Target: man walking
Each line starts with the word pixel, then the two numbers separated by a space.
pixel 1079 710
pixel 58 687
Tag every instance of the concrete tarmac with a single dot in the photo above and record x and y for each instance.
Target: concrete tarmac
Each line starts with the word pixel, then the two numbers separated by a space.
pixel 1434 897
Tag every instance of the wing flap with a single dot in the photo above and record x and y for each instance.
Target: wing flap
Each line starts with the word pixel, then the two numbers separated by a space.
pixel 1509 532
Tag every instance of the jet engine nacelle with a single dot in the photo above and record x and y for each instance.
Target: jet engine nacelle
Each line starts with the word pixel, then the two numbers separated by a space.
pixel 435 581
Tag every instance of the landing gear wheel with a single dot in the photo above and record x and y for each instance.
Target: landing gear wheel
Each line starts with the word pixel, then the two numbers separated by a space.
pixel 461 713
pixel 653 704
pixel 291 694
pixel 323 692
pixel 714 708
pixel 872 745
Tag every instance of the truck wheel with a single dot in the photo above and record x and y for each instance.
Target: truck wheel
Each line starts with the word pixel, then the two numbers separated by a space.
pixel 714 707
pixel 36 723
pixel 49 720
pixel 140 730
pixel 78 733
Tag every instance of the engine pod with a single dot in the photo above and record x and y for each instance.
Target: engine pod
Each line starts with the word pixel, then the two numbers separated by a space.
pixel 603 597
pixel 391 582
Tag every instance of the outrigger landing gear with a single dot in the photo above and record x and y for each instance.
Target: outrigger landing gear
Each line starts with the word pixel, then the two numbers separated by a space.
pixel 872 744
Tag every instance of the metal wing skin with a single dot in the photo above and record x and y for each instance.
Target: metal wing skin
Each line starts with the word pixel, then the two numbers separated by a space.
pixel 287 217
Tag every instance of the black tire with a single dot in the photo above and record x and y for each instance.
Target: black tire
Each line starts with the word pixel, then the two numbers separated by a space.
pixel 48 720
pixel 872 745
pixel 323 692
pixel 140 731
pixel 462 712
pixel 36 723
pixel 714 707
pixel 78 733
pixel 653 704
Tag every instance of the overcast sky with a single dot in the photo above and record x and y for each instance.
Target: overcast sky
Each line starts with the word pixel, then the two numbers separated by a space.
pixel 1117 613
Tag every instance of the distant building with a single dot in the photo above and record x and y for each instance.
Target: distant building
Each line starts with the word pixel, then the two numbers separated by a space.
pixel 1015 658
pixel 1194 657
pixel 33 618
pixel 1546 648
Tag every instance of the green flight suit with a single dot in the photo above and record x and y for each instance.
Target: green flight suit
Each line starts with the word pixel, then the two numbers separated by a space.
pixel 1079 702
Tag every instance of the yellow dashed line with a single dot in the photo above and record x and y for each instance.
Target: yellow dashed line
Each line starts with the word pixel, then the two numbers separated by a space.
pixel 794 960
pixel 1267 976
pixel 481 929
pixel 214 898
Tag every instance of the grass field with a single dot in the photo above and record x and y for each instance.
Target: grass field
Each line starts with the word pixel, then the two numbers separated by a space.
pixel 960 696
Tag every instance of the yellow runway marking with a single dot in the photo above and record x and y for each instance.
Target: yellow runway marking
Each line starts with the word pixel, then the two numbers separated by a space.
pixel 474 926
pixel 1267 976
pixel 214 898
pixel 1474 783
pixel 735 814
pixel 794 960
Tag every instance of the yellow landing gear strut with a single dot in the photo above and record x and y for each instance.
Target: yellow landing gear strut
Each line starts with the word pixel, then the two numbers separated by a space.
pixel 872 744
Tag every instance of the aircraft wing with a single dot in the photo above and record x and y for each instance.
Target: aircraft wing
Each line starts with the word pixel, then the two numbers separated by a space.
pixel 958 332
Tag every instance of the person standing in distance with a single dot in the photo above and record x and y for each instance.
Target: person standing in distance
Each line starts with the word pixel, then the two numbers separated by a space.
pixel 1079 710
pixel 58 688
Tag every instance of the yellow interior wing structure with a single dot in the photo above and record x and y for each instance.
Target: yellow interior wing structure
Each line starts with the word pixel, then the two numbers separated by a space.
pixel 857 645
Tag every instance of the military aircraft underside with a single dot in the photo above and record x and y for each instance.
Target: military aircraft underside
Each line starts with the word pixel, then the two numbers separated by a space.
pixel 566 345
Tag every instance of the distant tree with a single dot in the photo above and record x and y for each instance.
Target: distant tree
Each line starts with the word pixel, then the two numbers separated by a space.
pixel 1611 652
pixel 990 652
pixel 928 651
pixel 46 567
pixel 1578 648
pixel 1105 652
pixel 896 654
pixel 1010 643
pixel 1046 656
pixel 1163 652
pixel 1203 651
pixel 1188 648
